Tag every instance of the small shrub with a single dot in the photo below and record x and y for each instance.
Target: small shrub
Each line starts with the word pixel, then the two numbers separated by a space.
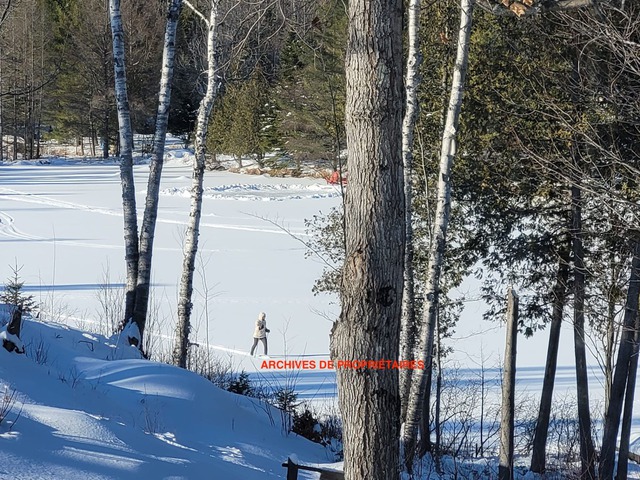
pixel 38 351
pixel 241 384
pixel 111 304
pixel 306 425
pixel 325 430
pixel 7 402
pixel 285 399
pixel 331 433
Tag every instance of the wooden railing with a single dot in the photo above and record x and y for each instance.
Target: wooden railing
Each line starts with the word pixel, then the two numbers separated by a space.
pixel 325 474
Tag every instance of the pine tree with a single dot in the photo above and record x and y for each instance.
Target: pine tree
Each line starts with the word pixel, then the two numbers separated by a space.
pixel 13 292
pixel 311 87
pixel 244 122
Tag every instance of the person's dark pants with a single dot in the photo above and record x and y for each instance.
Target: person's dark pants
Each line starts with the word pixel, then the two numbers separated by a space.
pixel 255 344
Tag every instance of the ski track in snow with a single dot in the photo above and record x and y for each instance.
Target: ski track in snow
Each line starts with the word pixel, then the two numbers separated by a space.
pixel 7 227
pixel 260 193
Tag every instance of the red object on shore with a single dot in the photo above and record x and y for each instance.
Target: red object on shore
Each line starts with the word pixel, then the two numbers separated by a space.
pixel 335 179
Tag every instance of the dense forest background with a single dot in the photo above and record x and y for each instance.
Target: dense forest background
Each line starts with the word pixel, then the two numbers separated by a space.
pixel 280 85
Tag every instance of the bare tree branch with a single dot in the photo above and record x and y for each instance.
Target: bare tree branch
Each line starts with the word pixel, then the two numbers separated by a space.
pixel 297 238
pixel 5 13
pixel 197 12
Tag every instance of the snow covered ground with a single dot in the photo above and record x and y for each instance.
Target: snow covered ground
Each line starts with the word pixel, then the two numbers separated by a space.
pixel 85 417
pixel 78 414
pixel 62 223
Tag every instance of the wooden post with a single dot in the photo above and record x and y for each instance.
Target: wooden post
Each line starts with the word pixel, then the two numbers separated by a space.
pixel 292 470
pixel 505 470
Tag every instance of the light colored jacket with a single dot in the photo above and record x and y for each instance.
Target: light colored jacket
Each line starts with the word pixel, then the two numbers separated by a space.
pixel 261 326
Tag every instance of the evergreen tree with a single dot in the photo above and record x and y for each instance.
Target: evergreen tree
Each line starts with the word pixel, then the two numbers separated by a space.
pixel 244 123
pixel 311 87
pixel 13 293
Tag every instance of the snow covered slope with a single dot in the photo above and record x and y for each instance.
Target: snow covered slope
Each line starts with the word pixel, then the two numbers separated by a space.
pixel 81 414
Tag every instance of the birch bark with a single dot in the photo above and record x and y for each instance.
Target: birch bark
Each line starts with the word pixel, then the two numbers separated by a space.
pixel 190 250
pixel 153 187
pixel 441 222
pixel 412 82
pixel 126 158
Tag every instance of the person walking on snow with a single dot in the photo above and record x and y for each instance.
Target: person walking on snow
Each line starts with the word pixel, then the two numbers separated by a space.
pixel 260 332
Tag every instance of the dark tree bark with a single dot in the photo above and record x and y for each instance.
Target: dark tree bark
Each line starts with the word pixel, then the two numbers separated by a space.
pixel 369 324
pixel 13 328
pixel 625 351
pixel 627 417
pixel 538 457
pixel 587 450
pixel 505 469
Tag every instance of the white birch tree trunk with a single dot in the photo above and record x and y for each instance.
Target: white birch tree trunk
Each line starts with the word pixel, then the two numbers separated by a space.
pixel 157 161
pixel 126 158
pixel 181 345
pixel 441 222
pixel 369 325
pixel 412 82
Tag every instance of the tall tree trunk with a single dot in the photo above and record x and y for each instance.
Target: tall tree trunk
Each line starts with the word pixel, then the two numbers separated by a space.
pixel 369 325
pixel 436 256
pixel 105 139
pixel 157 160
pixel 627 417
pixel 625 351
pixel 438 399
pixel 126 158
pixel 505 469
pixel 1 108
pixel 610 336
pixel 92 129
pixel 408 319
pixel 538 459
pixel 424 445
pixel 15 126
pixel 183 327
pixel 587 450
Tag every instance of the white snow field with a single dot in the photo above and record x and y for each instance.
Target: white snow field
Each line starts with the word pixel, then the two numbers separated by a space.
pixel 77 413
pixel 62 223
pixel 81 415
